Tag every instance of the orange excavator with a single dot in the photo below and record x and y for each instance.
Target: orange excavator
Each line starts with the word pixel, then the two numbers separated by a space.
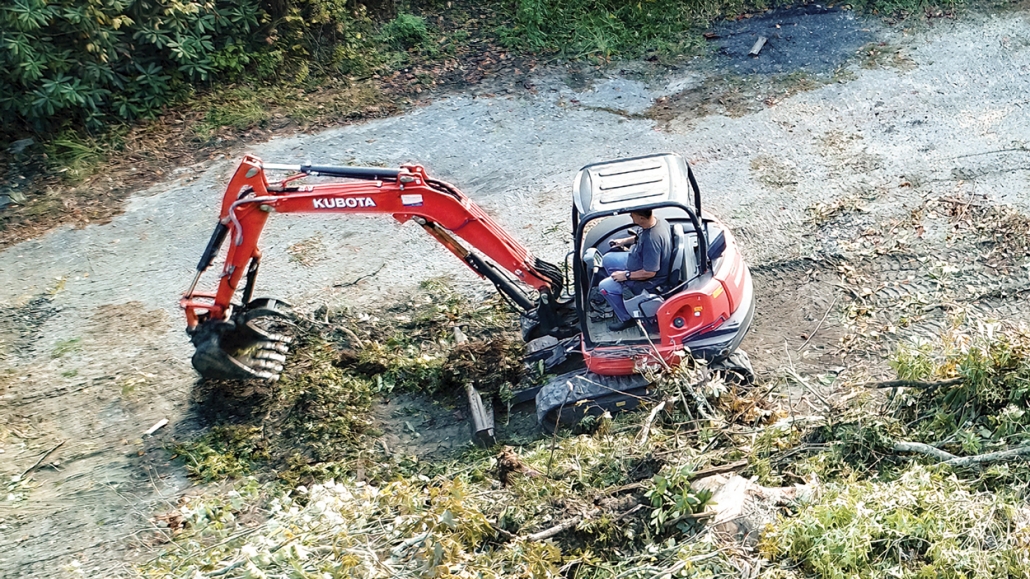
pixel 704 310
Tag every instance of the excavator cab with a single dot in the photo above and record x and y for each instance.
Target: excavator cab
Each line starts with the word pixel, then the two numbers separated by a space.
pixel 704 310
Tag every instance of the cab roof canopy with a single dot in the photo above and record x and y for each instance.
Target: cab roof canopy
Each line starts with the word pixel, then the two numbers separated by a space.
pixel 622 185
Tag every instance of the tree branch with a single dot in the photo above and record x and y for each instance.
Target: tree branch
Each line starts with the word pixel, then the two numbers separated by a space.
pixel 989 457
pixel 912 383
pixel 926 449
pixel 961 461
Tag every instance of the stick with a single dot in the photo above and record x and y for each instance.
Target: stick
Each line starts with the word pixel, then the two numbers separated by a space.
pixel 689 516
pixel 646 430
pixel 988 457
pixel 557 422
pixel 352 336
pixel 227 569
pixel 400 549
pixel 41 459
pixel 640 325
pixel 507 536
pixel 559 528
pixel 820 324
pixel 924 449
pixel 723 468
pixel 355 282
pixel 911 384
pixel 960 461
pixel 703 473
pixel 160 424
pixel 797 378
pixel 628 513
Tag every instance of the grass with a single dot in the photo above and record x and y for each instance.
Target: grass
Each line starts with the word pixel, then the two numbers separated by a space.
pixel 238 109
pixel 604 31
pixel 64 347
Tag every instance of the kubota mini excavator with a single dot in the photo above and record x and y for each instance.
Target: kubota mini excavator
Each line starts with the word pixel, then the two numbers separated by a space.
pixel 705 308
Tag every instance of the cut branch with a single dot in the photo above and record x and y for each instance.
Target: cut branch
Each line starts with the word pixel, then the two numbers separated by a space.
pixel 359 278
pixel 41 459
pixel 926 449
pixel 961 461
pixel 721 469
pixel 989 457
pixel 646 430
pixel 559 528
pixel 912 384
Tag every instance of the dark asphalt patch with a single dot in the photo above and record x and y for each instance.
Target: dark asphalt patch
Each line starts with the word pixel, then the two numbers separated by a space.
pixel 812 38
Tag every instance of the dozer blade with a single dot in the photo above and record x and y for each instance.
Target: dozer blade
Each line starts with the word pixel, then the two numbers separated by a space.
pixel 241 349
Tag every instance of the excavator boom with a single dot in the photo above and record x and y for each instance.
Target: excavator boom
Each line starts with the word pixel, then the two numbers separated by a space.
pixel 229 343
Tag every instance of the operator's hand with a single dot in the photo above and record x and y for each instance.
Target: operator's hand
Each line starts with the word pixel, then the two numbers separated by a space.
pixel 620 275
pixel 624 242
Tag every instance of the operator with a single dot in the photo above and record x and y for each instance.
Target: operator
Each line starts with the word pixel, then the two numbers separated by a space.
pixel 645 267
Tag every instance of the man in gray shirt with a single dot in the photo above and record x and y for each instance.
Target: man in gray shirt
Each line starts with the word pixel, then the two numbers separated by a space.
pixel 645 267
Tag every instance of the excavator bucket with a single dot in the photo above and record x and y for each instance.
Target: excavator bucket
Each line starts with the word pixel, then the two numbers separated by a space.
pixel 247 347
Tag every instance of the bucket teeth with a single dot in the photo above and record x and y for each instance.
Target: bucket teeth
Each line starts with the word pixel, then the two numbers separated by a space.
pixel 240 349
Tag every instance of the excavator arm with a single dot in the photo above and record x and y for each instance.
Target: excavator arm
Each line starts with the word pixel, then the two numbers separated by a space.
pixel 230 345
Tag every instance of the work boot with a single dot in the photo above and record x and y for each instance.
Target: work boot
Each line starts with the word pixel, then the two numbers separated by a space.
pixel 620 326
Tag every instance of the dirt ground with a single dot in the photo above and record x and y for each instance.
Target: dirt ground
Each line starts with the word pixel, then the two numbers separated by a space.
pixel 878 191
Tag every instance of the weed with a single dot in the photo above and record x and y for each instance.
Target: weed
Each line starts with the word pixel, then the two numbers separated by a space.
pixel 606 30
pixel 239 108
pixel 74 155
pixel 906 8
pixel 405 32
pixel 63 347
pixel 224 451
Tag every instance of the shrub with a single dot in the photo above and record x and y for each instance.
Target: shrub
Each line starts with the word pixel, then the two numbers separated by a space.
pixel 89 62
pixel 405 32
pixel 85 60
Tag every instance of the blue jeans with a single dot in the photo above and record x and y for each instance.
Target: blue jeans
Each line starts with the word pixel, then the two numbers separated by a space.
pixel 611 289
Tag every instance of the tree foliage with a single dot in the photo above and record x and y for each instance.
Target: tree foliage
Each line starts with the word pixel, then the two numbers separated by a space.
pixel 88 62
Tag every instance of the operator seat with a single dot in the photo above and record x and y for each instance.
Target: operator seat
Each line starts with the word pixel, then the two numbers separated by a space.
pixel 677 266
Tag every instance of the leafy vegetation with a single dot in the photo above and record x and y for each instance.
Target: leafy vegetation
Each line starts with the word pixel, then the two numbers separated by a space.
pixel 88 63
pixel 923 524
pixel 983 411
pixel 614 496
